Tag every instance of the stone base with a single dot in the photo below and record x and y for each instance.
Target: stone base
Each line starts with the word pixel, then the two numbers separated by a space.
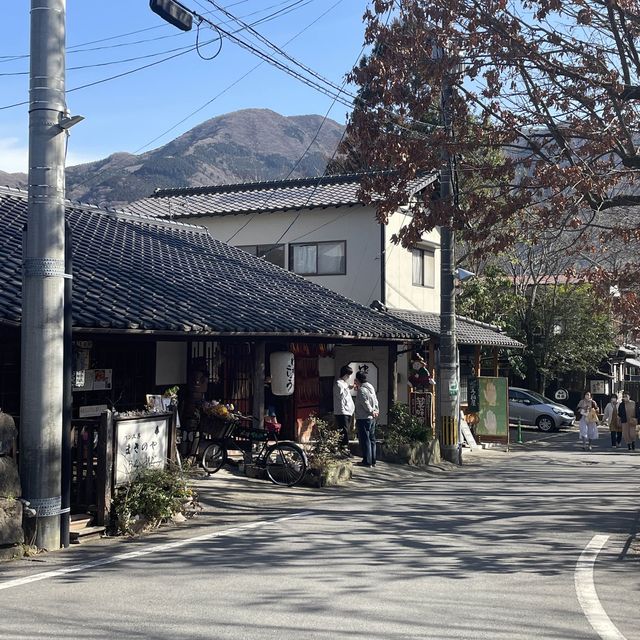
pixel 9 478
pixel 334 475
pixel 10 522
pixel 419 454
pixel 11 552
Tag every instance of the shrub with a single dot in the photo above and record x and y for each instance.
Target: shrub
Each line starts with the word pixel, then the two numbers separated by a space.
pixel 153 496
pixel 327 446
pixel 403 428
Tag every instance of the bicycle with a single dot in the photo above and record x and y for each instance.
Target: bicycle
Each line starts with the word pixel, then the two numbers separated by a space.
pixel 284 461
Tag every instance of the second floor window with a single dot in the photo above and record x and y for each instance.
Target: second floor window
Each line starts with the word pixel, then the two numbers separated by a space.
pixel 318 258
pixel 273 253
pixel 424 267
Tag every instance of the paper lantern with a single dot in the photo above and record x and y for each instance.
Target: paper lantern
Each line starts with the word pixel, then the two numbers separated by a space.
pixel 282 373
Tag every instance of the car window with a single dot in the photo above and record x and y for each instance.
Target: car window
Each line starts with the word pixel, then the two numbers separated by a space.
pixel 516 396
pixel 539 398
pixel 533 398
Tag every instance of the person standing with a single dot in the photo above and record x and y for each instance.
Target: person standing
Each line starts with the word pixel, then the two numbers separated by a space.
pixel 588 412
pixel 343 406
pixel 627 412
pixel 367 410
pixel 612 420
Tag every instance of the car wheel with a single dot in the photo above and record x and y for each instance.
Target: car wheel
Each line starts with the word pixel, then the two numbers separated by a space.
pixel 545 424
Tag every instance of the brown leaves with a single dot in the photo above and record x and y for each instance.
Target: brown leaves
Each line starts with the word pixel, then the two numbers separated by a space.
pixel 540 137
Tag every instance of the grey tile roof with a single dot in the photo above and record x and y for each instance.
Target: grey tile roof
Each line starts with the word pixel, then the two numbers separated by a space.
pixel 468 331
pixel 133 273
pixel 258 197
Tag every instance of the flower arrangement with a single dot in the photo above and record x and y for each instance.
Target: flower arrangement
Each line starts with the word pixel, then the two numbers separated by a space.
pixel 171 392
pixel 215 409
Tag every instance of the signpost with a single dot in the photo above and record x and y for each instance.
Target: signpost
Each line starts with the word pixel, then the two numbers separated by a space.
pixel 493 413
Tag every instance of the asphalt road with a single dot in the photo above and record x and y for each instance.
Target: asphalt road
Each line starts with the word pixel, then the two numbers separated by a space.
pixel 496 549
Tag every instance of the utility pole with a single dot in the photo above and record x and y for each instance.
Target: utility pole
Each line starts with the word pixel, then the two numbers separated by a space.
pixel 447 387
pixel 44 276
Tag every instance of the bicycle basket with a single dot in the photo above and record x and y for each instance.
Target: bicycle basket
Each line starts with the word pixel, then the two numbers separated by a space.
pixel 215 427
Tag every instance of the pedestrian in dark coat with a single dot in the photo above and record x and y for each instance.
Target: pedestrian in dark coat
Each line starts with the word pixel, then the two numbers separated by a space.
pixel 628 413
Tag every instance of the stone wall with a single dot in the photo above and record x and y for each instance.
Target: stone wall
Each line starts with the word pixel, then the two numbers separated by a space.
pixel 11 533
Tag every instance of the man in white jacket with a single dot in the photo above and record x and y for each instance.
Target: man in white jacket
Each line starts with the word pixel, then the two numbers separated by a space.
pixel 367 410
pixel 343 406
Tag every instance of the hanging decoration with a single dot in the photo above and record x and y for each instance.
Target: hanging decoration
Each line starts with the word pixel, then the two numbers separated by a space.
pixel 282 366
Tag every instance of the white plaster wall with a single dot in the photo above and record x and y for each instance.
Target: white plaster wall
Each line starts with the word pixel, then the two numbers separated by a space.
pixel 400 292
pixel 344 354
pixel 171 363
pixel 403 367
pixel 356 225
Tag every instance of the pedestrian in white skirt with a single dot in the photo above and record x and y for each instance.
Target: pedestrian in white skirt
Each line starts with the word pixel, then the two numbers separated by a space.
pixel 588 412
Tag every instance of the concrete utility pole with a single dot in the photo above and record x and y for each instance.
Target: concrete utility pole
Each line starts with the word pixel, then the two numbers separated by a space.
pixel 44 276
pixel 447 382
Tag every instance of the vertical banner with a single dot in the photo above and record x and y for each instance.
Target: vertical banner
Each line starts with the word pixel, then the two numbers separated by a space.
pixel 473 395
pixel 420 406
pixel 493 414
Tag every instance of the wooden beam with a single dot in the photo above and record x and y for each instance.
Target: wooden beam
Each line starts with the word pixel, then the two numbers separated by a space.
pixel 258 383
pixel 477 363
pixel 392 351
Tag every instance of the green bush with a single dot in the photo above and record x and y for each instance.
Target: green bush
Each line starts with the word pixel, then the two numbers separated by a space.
pixel 403 428
pixel 326 447
pixel 153 495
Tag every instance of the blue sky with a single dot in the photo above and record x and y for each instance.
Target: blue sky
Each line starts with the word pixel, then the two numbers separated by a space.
pixel 127 113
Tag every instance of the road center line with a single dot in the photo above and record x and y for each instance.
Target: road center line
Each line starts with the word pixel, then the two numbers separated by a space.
pixel 586 591
pixel 148 550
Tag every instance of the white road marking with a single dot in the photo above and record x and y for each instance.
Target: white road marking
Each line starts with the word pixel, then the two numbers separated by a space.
pixel 586 591
pixel 148 550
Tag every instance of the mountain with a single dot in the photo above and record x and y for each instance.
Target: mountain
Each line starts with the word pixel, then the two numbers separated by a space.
pixel 13 179
pixel 243 146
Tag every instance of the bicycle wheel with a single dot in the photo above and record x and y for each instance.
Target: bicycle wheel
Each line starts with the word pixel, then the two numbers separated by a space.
pixel 214 457
pixel 285 463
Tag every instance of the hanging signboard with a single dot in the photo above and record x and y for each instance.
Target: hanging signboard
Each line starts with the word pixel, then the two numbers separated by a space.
pixel 493 414
pixel 369 369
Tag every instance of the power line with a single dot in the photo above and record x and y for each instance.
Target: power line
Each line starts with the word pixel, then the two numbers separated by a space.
pixel 122 61
pixel 279 50
pixel 235 82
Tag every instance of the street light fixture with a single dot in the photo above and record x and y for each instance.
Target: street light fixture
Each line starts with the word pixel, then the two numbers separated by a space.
pixel 173 12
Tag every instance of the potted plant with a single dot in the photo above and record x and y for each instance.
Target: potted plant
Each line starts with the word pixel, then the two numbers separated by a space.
pixel 407 440
pixel 329 461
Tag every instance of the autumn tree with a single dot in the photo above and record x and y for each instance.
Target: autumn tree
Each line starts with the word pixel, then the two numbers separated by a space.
pixel 553 87
pixel 564 325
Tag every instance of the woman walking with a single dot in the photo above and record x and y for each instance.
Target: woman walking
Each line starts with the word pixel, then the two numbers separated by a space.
pixel 612 420
pixel 627 412
pixel 588 412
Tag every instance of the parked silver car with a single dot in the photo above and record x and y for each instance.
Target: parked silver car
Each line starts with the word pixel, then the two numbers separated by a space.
pixel 532 408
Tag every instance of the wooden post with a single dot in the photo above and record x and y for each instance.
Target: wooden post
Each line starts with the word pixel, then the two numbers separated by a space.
pixel 477 363
pixel 258 383
pixel 104 485
pixel 392 368
pixel 432 359
pixel 495 362
pixel 173 428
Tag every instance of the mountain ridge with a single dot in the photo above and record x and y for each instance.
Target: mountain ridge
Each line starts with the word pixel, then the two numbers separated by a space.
pixel 250 145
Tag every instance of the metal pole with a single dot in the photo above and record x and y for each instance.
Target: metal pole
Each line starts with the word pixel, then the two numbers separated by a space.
pixel 43 278
pixel 447 386
pixel 67 396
